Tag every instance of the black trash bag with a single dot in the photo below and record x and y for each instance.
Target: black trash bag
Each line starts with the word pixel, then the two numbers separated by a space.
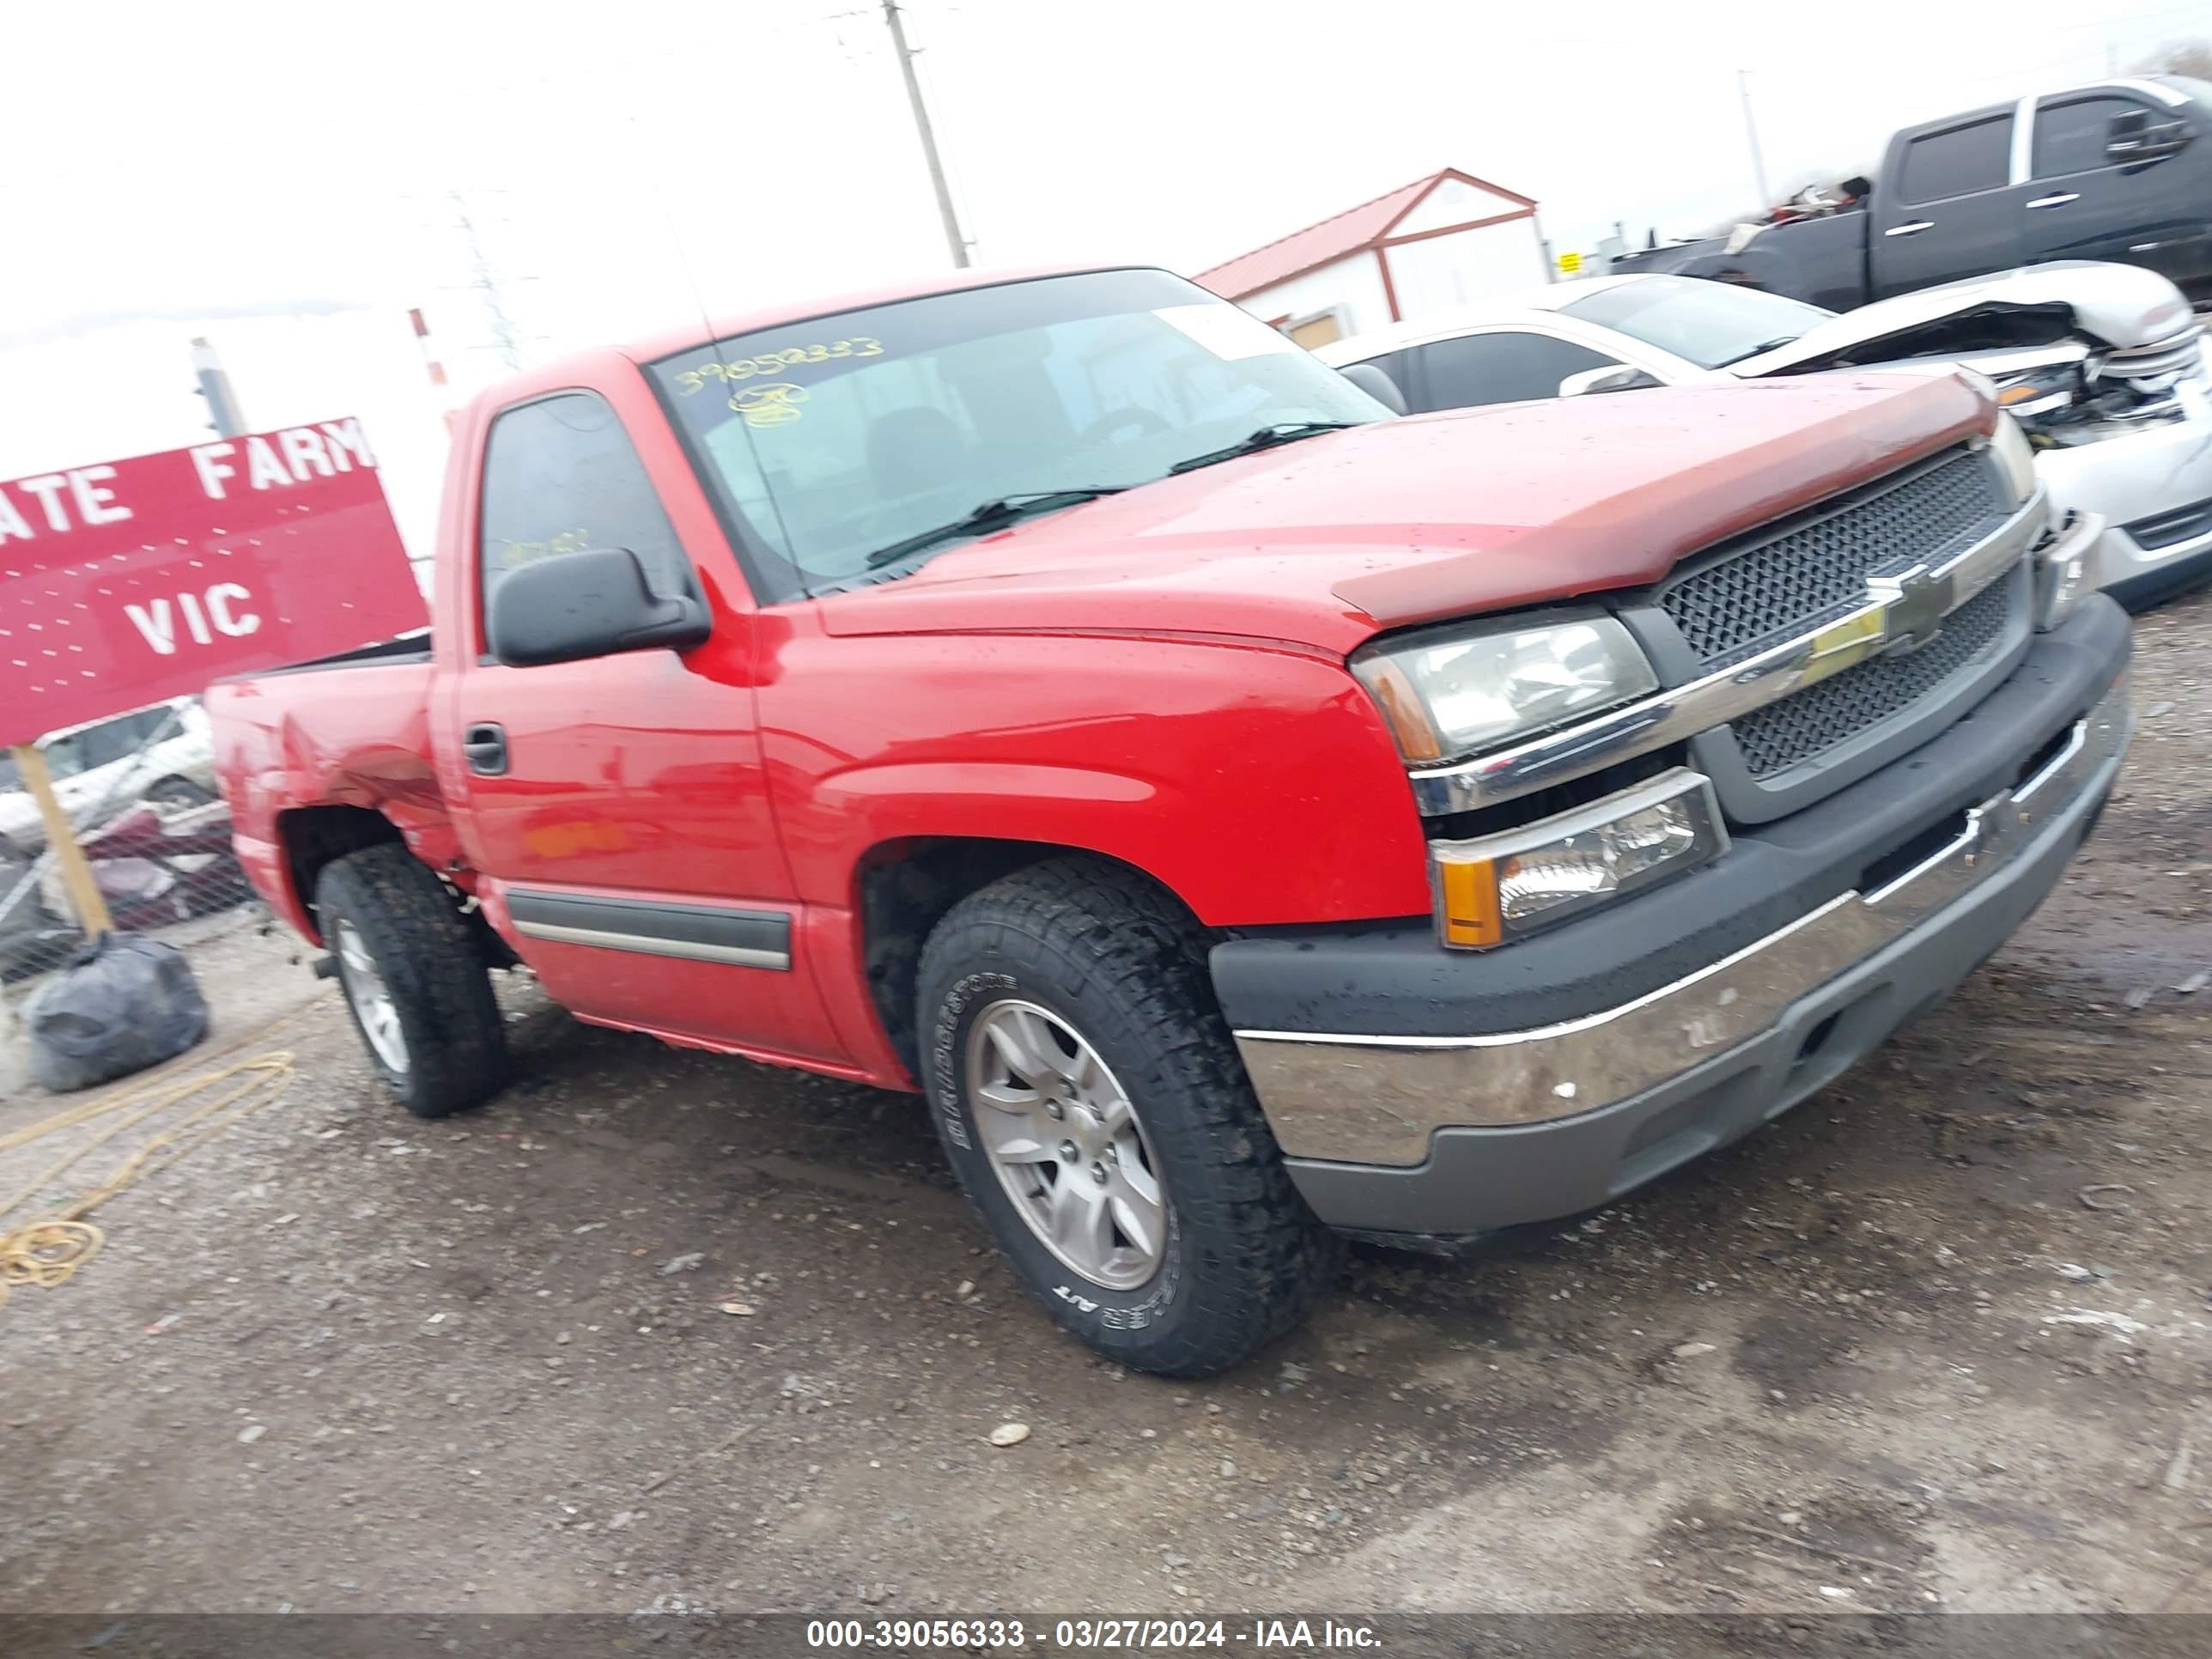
pixel 118 1005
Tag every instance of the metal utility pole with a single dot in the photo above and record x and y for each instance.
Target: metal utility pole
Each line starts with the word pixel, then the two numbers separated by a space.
pixel 1751 135
pixel 953 238
pixel 215 387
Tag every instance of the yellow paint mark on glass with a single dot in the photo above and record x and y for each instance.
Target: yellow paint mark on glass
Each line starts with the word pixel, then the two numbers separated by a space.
pixel 775 362
pixel 567 541
pixel 775 404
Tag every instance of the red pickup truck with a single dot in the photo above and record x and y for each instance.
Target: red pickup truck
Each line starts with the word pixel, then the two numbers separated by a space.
pixel 1249 818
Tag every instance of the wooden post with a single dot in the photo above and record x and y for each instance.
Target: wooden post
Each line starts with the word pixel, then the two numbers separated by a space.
pixel 61 839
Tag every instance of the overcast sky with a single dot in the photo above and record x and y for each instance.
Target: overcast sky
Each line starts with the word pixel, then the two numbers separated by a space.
pixel 277 176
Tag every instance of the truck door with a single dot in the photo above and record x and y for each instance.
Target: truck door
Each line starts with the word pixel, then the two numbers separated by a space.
pixel 2091 202
pixel 616 805
pixel 1952 209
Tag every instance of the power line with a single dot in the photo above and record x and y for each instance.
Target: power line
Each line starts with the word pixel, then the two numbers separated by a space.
pixel 507 338
pixel 488 280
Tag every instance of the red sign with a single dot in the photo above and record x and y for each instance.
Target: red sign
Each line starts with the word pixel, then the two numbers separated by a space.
pixel 126 583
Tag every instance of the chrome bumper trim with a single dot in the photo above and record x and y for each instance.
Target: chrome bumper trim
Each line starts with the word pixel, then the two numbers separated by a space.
pixel 1369 1099
pixel 1885 622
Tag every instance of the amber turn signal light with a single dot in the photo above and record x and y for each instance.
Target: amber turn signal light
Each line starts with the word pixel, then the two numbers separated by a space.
pixel 1468 906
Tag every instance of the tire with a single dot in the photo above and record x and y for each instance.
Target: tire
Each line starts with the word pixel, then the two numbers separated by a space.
pixel 1112 963
pixel 422 1004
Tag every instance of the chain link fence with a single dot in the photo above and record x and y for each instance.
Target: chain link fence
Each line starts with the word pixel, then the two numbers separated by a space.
pixel 140 790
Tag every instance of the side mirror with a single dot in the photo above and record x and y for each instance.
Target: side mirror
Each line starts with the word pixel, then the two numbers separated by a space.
pixel 1377 384
pixel 594 604
pixel 1614 377
pixel 2132 137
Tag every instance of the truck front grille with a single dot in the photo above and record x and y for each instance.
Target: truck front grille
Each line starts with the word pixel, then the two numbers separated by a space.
pixel 1785 581
pixel 1835 710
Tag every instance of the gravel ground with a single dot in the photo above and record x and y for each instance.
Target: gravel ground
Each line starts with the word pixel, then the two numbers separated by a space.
pixel 660 1330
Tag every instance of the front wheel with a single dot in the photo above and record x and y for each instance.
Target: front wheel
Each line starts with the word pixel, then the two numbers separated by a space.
pixel 1092 1104
pixel 413 979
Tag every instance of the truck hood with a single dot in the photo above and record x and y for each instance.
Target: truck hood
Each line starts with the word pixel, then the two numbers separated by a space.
pixel 2119 307
pixel 1326 541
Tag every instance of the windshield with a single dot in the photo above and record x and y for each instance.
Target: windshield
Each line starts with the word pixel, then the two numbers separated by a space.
pixel 1712 323
pixel 831 440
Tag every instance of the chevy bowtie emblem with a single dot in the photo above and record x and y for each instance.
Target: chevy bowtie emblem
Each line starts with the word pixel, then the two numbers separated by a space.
pixel 1917 603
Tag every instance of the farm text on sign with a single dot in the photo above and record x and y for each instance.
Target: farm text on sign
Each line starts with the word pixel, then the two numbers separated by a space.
pixel 129 581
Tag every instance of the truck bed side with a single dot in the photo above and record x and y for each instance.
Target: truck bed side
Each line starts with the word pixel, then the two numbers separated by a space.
pixel 321 761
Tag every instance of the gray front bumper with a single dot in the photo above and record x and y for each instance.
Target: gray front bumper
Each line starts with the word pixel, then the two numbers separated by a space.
pixel 1622 1096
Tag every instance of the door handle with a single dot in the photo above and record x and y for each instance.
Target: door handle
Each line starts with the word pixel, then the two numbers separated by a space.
pixel 1912 229
pixel 2057 200
pixel 485 745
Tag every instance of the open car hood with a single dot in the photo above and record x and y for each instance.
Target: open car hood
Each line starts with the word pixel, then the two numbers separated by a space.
pixel 2115 306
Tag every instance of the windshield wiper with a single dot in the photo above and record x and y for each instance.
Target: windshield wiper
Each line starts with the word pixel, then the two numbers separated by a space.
pixel 989 515
pixel 1280 432
pixel 1771 345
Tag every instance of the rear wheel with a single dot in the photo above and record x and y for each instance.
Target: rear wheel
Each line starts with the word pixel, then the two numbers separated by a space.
pixel 1092 1104
pixel 413 979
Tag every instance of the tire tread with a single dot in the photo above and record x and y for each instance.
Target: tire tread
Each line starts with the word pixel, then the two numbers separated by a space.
pixel 1107 931
pixel 456 1040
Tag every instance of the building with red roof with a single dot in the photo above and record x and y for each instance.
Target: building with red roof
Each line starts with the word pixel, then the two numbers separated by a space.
pixel 1444 240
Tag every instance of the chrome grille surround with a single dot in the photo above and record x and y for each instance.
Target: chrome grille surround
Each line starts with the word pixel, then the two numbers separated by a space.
pixel 1781 580
pixel 1837 709
pixel 1914 601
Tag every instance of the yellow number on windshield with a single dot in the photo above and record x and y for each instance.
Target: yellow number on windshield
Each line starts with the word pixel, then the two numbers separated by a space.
pixel 774 362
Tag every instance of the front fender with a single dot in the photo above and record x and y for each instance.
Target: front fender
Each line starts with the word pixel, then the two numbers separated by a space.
pixel 1104 812
pixel 1257 784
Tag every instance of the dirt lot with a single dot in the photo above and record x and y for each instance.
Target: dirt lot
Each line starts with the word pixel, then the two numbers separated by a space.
pixel 1939 1339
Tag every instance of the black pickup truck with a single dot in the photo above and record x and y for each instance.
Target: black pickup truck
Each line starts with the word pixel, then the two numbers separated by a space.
pixel 2119 170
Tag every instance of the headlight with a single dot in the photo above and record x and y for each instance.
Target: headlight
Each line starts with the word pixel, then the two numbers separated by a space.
pixel 1446 696
pixel 2018 460
pixel 1499 887
pixel 2039 391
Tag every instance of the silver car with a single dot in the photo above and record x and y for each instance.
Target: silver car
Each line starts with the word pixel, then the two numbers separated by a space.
pixel 2104 365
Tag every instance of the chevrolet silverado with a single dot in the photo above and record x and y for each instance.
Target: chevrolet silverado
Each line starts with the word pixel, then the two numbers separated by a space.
pixel 1246 816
